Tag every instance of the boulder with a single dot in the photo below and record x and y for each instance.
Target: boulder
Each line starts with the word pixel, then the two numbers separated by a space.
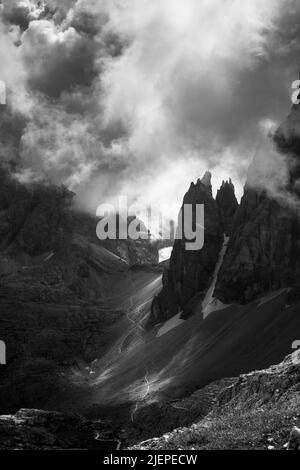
pixel 294 441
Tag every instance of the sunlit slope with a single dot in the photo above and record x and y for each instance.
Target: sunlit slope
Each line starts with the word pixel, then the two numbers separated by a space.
pixel 104 260
pixel 229 342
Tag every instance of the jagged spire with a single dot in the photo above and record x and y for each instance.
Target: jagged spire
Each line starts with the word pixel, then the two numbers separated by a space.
pixel 227 183
pixel 227 204
pixel 206 180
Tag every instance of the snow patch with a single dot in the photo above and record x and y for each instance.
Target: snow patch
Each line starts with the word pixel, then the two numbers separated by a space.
pixel 49 256
pixel 170 324
pixel 165 253
pixel 269 297
pixel 214 306
pixel 210 303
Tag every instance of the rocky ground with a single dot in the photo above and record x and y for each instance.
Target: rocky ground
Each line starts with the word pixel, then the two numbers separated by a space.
pixel 31 429
pixel 259 410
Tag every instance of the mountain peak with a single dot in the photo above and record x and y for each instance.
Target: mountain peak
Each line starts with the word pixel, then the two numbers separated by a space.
pixel 227 183
pixel 202 188
pixel 227 204
pixel 206 180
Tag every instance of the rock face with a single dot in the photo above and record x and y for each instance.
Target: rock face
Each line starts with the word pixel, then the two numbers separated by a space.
pixel 38 219
pixel 140 252
pixel 257 409
pixel 31 429
pixel 263 253
pixel 55 277
pixel 189 274
pixel 228 205
pixel 264 250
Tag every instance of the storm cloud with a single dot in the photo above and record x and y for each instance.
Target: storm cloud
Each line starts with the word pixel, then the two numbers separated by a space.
pixel 140 97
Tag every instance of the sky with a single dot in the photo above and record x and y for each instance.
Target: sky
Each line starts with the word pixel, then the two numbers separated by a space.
pixel 141 97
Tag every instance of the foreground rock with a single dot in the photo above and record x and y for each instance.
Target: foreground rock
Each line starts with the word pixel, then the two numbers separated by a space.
pixel 257 411
pixel 294 442
pixel 42 430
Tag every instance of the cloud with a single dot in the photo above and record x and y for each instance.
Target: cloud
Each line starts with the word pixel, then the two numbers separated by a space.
pixel 120 95
pixel 57 60
pixel 186 83
pixel 21 12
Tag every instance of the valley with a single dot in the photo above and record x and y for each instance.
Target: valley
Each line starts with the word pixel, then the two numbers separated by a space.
pixel 134 347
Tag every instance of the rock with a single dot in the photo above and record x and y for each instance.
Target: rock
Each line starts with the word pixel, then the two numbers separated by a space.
pixel 31 429
pixel 228 205
pixel 263 254
pixel 206 181
pixel 53 273
pixel 238 420
pixel 294 441
pixel 188 276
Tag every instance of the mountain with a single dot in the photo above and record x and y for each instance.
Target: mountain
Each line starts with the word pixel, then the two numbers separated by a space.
pixel 39 218
pixel 261 251
pixel 94 327
pixel 190 273
pixel 264 250
pixel 58 285
pixel 227 205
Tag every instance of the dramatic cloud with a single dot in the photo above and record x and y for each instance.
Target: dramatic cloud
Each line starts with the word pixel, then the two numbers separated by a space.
pixel 57 60
pixel 141 97
pixel 21 12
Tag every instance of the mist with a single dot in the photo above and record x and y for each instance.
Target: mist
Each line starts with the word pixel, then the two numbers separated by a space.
pixel 140 98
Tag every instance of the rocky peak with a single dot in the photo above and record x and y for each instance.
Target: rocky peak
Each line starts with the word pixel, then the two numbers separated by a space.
pixel 227 204
pixel 287 141
pixel 201 186
pixel 187 279
pixel 264 252
pixel 206 181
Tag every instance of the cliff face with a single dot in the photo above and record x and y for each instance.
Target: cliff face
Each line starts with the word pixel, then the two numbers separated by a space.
pixel 39 219
pixel 263 253
pixel 264 250
pixel 55 278
pixel 189 274
pixel 227 205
